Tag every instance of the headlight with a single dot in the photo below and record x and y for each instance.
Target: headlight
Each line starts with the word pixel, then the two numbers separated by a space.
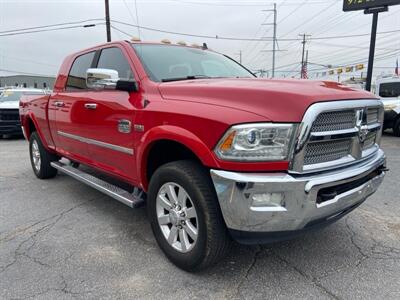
pixel 256 142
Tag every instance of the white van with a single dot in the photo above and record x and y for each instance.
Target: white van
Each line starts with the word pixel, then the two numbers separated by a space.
pixel 388 89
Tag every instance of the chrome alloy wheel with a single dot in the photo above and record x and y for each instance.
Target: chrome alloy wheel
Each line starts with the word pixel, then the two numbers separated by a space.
pixel 36 155
pixel 177 217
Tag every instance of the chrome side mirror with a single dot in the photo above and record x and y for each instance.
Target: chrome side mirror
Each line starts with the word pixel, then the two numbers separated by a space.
pixel 101 79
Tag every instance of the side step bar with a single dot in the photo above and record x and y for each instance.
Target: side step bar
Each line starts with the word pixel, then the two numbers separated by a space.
pixel 134 200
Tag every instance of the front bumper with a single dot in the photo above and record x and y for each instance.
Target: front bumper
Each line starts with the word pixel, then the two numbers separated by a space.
pixel 301 207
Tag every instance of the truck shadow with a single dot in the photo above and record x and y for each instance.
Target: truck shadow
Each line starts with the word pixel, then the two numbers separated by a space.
pixel 319 252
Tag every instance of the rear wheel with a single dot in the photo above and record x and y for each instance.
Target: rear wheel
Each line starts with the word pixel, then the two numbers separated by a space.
pixel 396 127
pixel 41 158
pixel 185 215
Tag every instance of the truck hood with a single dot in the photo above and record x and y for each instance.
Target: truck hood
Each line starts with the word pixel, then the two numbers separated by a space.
pixel 9 104
pixel 276 100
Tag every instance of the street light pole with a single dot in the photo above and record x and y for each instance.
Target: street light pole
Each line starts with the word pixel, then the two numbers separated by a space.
pixel 375 12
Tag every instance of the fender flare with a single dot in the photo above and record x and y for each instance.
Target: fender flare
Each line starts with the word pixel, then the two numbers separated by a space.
pixel 31 117
pixel 171 133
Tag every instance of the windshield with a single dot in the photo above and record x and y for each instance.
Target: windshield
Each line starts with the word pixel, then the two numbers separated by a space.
pixel 389 90
pixel 169 62
pixel 10 96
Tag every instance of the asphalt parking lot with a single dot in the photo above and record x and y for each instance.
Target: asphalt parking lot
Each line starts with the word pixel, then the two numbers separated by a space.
pixel 60 239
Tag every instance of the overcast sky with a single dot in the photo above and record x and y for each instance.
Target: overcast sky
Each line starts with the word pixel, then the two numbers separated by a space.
pixel 42 53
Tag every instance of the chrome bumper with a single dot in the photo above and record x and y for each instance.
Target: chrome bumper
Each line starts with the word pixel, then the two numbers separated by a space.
pixel 235 194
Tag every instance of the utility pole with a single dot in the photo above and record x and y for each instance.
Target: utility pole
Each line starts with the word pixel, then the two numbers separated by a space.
pixel 274 43
pixel 303 52
pixel 274 38
pixel 306 66
pixel 240 56
pixel 108 24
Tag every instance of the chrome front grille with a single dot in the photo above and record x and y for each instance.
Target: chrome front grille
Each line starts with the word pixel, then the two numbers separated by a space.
pixel 337 133
pixel 369 141
pixel 372 115
pixel 320 152
pixel 334 120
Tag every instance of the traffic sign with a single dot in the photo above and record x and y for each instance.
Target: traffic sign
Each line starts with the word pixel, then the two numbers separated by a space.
pixel 349 5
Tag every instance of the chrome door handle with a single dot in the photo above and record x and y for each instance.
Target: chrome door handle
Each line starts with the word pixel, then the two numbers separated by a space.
pixel 90 106
pixel 59 103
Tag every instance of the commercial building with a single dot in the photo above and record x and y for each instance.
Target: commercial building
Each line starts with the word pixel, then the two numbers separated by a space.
pixel 28 81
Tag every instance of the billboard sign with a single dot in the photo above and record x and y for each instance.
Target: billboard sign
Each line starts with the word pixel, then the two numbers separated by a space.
pixel 349 5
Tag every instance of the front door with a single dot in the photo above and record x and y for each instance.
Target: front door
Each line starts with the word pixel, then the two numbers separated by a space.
pixel 111 116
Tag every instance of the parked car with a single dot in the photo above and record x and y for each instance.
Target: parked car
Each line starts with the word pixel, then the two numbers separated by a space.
pixel 214 152
pixel 388 89
pixel 9 109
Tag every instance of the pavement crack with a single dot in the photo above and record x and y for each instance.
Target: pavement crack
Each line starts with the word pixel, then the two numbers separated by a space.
pixel 19 251
pixel 312 279
pixel 256 254
pixel 353 235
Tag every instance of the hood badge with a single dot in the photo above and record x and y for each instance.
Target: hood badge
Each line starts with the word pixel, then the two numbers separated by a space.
pixel 362 125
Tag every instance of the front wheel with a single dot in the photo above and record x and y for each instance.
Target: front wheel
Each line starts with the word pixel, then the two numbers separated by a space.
pixel 41 158
pixel 185 216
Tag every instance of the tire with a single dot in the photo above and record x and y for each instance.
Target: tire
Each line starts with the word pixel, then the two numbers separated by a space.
pixel 396 127
pixel 212 241
pixel 41 158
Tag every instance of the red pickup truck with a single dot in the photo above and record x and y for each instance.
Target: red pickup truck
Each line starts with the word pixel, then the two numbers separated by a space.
pixel 215 153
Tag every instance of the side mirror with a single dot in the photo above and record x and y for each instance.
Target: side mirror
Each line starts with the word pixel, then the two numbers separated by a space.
pixel 99 79
pixel 108 79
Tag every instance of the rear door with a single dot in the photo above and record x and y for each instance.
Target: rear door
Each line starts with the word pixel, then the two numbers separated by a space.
pixel 71 118
pixel 111 116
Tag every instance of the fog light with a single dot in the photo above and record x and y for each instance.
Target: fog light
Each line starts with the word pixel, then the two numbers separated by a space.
pixel 268 199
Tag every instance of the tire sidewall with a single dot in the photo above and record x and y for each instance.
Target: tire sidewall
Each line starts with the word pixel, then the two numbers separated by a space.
pixel 34 137
pixel 196 255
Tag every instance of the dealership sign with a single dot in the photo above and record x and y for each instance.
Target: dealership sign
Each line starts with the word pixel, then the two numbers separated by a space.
pixel 349 5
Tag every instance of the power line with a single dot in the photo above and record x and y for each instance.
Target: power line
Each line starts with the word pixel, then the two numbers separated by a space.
pixel 218 37
pixel 24 73
pixel 28 60
pixel 52 25
pixel 204 3
pixel 51 29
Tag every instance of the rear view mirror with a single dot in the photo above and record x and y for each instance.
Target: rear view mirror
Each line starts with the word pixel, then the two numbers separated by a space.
pixel 108 79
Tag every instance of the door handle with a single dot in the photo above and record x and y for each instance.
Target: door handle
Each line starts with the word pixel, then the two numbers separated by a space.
pixel 59 103
pixel 91 106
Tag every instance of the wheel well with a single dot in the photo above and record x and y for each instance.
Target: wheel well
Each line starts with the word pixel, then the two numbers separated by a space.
pixel 31 127
pixel 166 151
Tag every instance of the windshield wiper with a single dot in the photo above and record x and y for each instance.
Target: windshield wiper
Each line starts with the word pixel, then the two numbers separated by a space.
pixel 185 78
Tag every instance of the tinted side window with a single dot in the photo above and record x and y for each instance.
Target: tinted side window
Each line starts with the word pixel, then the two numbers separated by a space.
pixel 113 58
pixel 77 75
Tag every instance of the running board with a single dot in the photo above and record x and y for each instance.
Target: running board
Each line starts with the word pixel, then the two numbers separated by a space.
pixel 134 200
